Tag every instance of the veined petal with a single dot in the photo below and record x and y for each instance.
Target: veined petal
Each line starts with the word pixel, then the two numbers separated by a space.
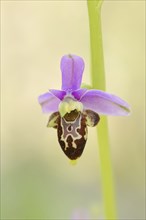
pixel 58 93
pixel 78 93
pixel 72 68
pixel 49 102
pixel 104 103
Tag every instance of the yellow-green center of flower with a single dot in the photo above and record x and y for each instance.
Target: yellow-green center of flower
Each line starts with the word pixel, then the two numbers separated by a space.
pixel 68 105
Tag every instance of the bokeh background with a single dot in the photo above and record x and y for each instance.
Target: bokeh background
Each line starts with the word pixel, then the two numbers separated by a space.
pixel 37 180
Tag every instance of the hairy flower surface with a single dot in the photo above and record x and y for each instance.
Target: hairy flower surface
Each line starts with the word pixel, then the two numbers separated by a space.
pixel 74 108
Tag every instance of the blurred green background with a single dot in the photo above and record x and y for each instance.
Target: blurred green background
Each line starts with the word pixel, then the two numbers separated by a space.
pixel 37 180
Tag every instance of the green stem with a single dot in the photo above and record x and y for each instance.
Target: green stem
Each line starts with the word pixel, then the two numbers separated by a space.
pixel 98 82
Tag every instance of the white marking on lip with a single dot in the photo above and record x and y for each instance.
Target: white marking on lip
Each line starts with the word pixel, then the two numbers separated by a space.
pixel 76 124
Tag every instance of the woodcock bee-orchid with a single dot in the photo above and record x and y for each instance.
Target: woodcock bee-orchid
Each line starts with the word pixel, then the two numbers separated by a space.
pixel 73 109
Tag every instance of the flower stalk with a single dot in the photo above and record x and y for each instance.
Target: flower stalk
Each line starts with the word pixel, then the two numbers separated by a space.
pixel 98 82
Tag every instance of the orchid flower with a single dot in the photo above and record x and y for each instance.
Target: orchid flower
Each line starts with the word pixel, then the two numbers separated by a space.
pixel 74 108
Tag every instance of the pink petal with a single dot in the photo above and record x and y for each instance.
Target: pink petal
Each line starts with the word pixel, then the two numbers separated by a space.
pixel 104 103
pixel 72 68
pixel 78 93
pixel 49 102
pixel 58 93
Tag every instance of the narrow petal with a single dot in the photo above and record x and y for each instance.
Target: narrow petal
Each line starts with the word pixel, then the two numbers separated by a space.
pixel 104 103
pixel 78 93
pixel 58 93
pixel 49 102
pixel 72 68
pixel 92 118
pixel 53 120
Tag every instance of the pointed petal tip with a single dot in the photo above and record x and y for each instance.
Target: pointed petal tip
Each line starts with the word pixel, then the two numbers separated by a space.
pixel 123 112
pixel 72 56
pixel 127 109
